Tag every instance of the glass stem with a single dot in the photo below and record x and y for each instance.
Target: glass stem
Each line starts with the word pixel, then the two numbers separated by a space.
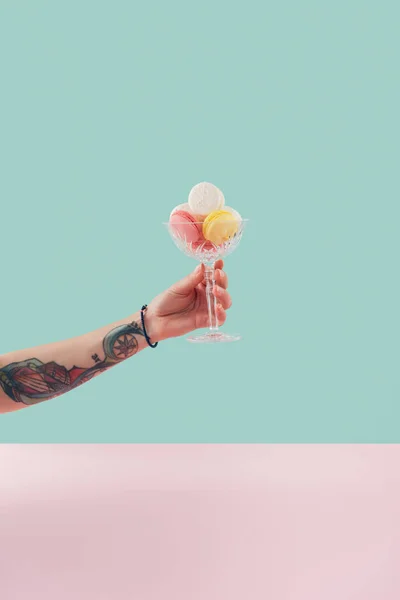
pixel 211 300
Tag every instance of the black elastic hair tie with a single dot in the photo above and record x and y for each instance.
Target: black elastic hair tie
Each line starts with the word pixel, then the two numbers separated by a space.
pixel 143 310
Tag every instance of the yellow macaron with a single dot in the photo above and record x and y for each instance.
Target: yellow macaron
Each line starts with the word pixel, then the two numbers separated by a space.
pixel 219 226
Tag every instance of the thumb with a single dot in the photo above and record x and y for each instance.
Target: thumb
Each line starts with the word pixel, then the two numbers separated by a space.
pixel 188 283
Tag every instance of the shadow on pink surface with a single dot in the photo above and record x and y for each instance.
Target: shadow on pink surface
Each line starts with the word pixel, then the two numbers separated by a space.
pixel 200 522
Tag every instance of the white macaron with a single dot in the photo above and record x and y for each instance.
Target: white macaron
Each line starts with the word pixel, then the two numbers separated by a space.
pixel 204 198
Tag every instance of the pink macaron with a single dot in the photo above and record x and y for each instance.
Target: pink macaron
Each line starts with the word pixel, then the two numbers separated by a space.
pixel 203 245
pixel 185 226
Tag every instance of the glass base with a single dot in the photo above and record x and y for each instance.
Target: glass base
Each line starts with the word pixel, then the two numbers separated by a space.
pixel 213 337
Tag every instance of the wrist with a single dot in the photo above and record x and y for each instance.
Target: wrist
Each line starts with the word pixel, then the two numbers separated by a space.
pixel 152 326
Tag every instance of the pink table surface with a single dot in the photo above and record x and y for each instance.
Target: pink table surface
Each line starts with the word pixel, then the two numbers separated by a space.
pixel 200 522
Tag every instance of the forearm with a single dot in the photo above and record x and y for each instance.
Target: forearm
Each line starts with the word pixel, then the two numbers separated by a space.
pixel 37 374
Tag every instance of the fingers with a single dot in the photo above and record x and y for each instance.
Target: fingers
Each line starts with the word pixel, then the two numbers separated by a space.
pixel 221 278
pixel 221 315
pixel 220 288
pixel 223 296
pixel 186 285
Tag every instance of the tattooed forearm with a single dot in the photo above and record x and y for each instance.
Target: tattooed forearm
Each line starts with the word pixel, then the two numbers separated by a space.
pixel 31 381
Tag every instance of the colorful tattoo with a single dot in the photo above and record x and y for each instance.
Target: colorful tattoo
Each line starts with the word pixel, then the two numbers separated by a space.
pixel 32 381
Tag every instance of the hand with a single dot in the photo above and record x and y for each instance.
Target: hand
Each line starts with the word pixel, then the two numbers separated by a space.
pixel 183 307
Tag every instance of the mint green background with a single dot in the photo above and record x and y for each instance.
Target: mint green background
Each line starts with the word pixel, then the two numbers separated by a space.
pixel 110 112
